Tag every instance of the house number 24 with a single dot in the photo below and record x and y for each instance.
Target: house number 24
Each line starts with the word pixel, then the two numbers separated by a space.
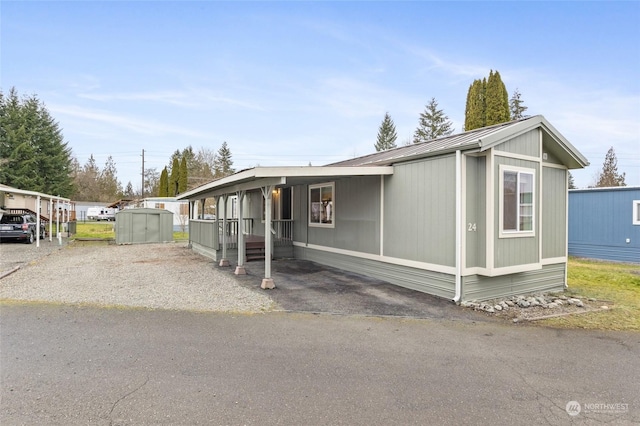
pixel 471 227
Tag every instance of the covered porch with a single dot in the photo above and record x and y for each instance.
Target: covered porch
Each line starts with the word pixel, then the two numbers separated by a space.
pixel 243 231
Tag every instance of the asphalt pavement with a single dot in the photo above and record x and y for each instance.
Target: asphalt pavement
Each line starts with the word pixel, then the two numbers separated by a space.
pixel 75 365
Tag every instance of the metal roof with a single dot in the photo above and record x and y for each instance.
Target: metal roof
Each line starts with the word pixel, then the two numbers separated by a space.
pixel 480 139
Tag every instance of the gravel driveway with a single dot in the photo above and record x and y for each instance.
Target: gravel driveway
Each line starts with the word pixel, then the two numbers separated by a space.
pixel 156 276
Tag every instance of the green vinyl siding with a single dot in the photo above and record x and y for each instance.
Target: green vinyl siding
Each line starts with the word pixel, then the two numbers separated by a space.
pixel 419 211
pixel 554 213
pixel 518 250
pixel 525 144
pixel 475 212
pixel 548 278
pixel 356 216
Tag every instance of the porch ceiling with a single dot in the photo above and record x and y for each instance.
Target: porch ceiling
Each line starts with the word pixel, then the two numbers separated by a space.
pixel 258 177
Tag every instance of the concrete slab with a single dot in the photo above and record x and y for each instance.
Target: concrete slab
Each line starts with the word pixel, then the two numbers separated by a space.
pixel 305 286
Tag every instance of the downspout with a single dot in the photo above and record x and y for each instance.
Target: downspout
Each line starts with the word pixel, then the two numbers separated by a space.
pixel 458 227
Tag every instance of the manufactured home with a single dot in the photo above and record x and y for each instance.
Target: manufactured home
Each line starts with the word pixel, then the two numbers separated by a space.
pixel 472 216
pixel 604 223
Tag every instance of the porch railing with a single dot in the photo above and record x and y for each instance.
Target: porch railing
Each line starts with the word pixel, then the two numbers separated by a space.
pixel 208 233
pixel 282 231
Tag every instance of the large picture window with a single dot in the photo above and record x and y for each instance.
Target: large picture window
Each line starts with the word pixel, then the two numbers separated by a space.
pixel 322 205
pixel 517 194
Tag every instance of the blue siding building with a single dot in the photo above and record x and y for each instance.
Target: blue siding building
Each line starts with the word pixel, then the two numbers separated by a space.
pixel 604 223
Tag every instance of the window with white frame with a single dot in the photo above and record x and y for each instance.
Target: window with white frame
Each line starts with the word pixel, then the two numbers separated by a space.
pixel 517 195
pixel 636 212
pixel 322 205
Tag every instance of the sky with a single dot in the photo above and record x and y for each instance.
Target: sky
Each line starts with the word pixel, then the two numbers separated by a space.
pixel 298 83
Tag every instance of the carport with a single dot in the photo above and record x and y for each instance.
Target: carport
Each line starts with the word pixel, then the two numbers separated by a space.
pixel 19 200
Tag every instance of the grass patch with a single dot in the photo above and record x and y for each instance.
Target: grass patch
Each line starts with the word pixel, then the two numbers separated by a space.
pixel 100 230
pixel 180 236
pixel 106 231
pixel 615 282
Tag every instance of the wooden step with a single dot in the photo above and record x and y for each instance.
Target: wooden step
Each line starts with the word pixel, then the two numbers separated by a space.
pixel 254 250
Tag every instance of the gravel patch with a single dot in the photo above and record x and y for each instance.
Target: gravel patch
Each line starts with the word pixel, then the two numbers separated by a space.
pixel 154 276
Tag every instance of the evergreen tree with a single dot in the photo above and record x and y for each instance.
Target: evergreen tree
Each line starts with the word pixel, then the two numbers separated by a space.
pixel 433 124
pixel 609 175
pixel 487 103
pixel 163 190
pixel 128 191
pixel 497 100
pixel 474 116
pixel 224 162
pixel 572 184
pixel 87 181
pixel 174 177
pixel 33 153
pixel 516 107
pixel 110 187
pixel 183 175
pixel 386 134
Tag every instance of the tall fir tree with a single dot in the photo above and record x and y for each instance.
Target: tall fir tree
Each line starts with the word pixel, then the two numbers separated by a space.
pixel 432 124
pixel 497 100
pixel 224 162
pixel 474 116
pixel 163 187
pixel 609 175
pixel 128 191
pixel 33 153
pixel 570 182
pixel 183 176
pixel 516 106
pixel 386 134
pixel 110 187
pixel 174 177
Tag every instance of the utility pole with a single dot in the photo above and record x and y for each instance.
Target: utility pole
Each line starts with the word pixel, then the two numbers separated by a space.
pixel 142 190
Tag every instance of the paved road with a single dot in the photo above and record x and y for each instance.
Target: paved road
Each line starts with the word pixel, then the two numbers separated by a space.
pixel 83 365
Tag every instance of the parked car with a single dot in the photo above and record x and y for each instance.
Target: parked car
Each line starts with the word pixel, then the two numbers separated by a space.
pixel 20 227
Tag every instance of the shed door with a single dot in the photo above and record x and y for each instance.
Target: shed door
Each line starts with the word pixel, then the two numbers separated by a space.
pixel 139 228
pixel 153 228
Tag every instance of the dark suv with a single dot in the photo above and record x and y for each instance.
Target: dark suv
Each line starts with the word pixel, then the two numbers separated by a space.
pixel 20 227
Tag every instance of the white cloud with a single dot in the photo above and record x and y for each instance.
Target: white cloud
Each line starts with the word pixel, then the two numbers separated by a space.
pixel 140 126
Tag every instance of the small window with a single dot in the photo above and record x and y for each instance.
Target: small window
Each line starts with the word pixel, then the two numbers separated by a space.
pixel 636 212
pixel 516 202
pixel 322 205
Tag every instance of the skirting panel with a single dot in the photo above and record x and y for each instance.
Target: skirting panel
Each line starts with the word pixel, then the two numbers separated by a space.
pixel 627 254
pixel 549 278
pixel 435 283
pixel 205 251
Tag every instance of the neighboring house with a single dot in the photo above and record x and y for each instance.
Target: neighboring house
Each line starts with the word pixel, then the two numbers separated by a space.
pixel 477 215
pixel 49 209
pixel 180 209
pixel 604 223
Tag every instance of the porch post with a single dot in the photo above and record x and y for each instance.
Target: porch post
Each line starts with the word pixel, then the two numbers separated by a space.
pixel 58 234
pixel 224 261
pixel 267 281
pixel 38 201
pixel 50 217
pixel 241 250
